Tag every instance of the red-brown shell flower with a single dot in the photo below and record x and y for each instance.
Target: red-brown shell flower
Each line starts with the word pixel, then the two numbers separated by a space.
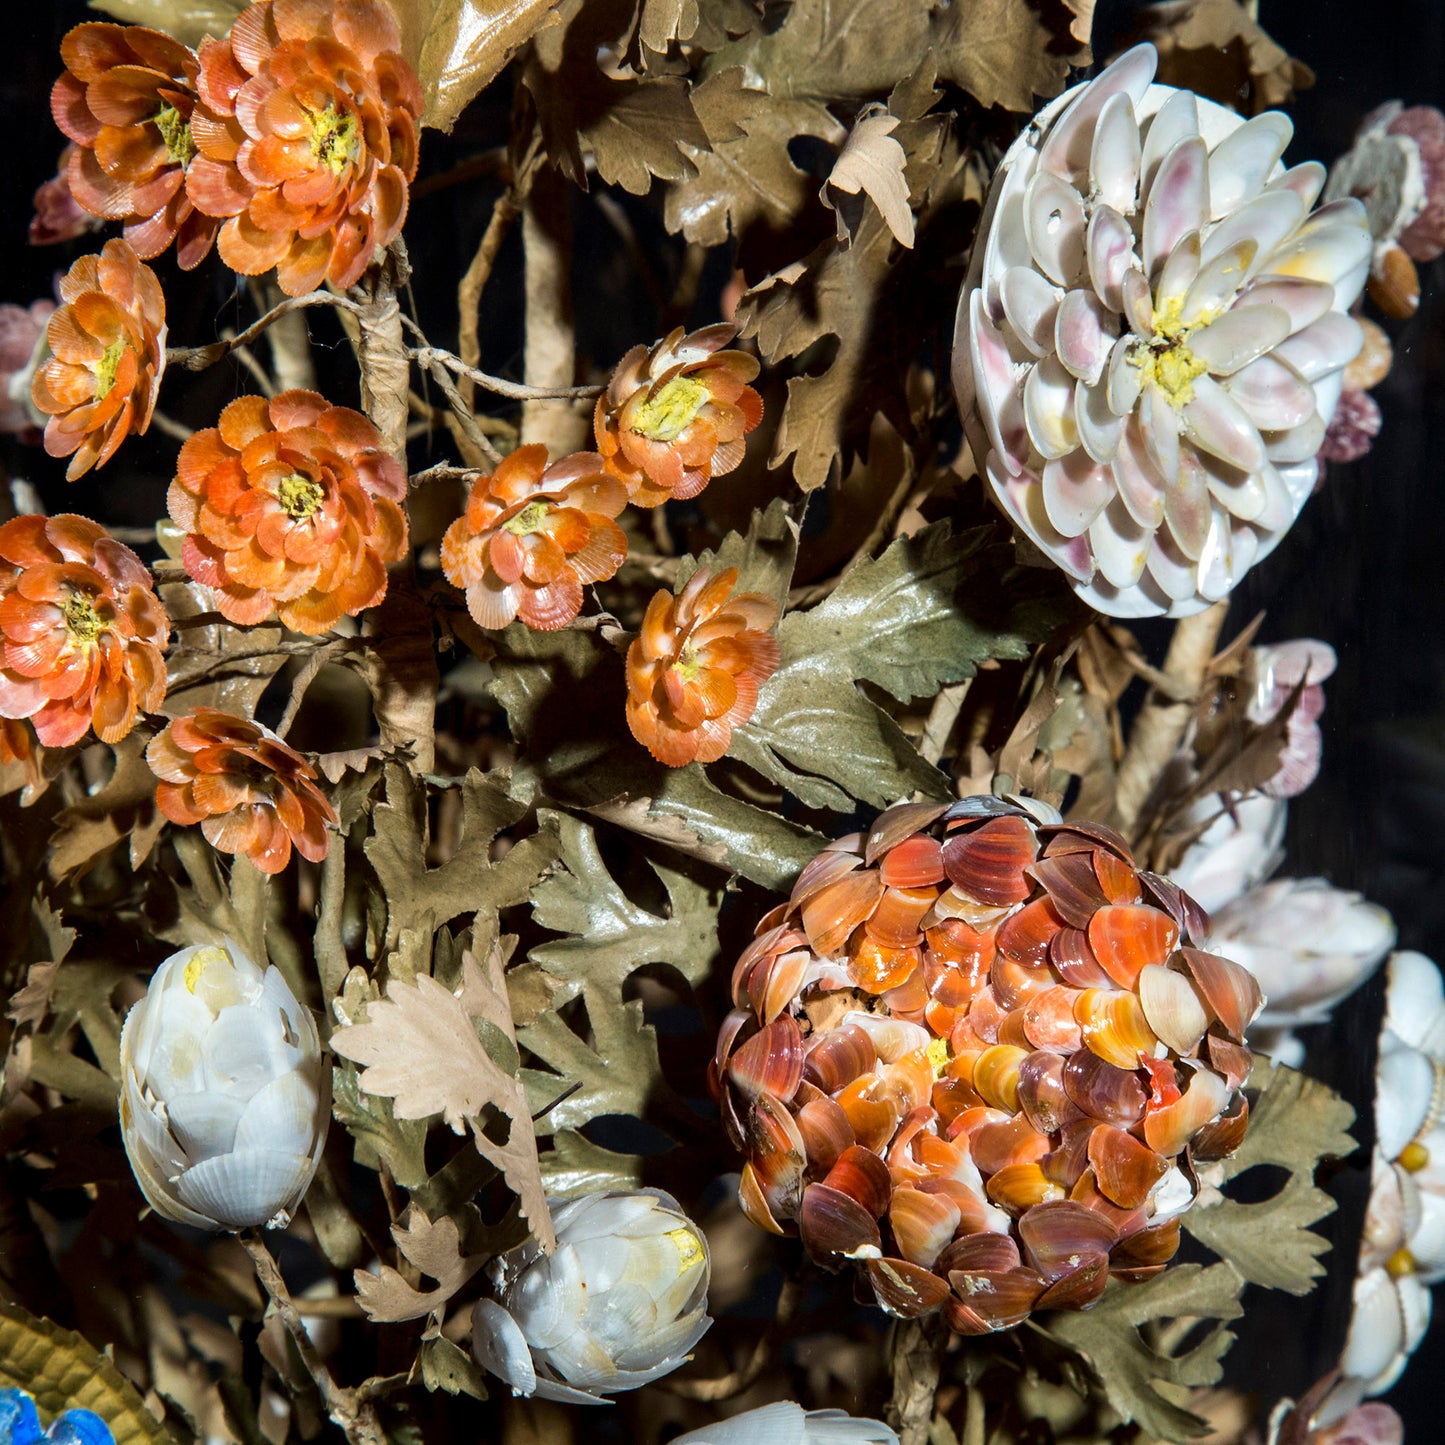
pixel 125 101
pixel 673 418
pixel 248 790
pixel 290 506
pixel 81 631
pixel 694 671
pixel 109 340
pixel 976 1053
pixel 533 535
pixel 58 215
pixel 307 132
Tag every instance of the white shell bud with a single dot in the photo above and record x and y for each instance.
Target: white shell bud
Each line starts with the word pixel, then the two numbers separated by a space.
pixel 618 1304
pixel 224 1100
pixel 787 1424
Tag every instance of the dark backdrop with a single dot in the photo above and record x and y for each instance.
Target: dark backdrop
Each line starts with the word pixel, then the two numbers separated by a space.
pixel 1363 569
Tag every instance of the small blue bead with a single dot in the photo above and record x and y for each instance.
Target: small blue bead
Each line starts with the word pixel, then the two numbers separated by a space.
pixel 19 1424
pixel 79 1427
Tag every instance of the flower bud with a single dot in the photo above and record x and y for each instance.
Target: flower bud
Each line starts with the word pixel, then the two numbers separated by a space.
pixel 619 1304
pixel 1241 846
pixel 224 1099
pixel 785 1423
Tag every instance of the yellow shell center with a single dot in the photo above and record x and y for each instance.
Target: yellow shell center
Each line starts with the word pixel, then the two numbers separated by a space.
pixel 688 664
pixel 1399 1264
pixel 665 415
pixel 334 138
pixel 299 496
pixel 200 961
pixel 107 366
pixel 529 519
pixel 1166 361
pixel 1413 1158
pixel 938 1056
pixel 82 621
pixel 176 133
pixel 689 1249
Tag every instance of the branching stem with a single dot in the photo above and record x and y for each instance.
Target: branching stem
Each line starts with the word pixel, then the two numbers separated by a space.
pixel 198 358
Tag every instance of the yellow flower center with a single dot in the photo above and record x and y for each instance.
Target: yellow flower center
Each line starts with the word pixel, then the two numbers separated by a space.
pixel 688 664
pixel 1399 1264
pixel 176 132
pixel 665 416
pixel 937 1052
pixel 1413 1158
pixel 689 1249
pixel 107 366
pixel 1165 359
pixel 200 961
pixel 82 621
pixel 333 138
pixel 299 496
pixel 529 519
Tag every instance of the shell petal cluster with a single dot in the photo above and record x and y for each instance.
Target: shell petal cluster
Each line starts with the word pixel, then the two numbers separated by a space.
pixel 977 1056
pixel 1151 339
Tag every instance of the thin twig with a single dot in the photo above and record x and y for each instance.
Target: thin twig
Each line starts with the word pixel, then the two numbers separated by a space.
pixel 433 356
pixel 724 1387
pixel 198 358
pixel 354 1417
pixel 172 428
pixel 1159 728
pixel 463 414
pixel 469 290
pixel 305 677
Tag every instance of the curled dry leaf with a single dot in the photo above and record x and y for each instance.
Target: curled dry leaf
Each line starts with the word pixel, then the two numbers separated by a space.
pixel 434 1247
pixel 872 162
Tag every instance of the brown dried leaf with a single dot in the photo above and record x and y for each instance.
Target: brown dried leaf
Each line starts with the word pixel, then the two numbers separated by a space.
pixel 30 1004
pixel 1219 49
pixel 188 20
pixel 871 162
pixel 124 808
pixel 434 1247
pixel 458 47
pixel 1005 52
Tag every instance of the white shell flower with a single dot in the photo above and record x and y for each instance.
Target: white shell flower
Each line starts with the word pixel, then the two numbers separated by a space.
pixel 1308 944
pixel 224 1100
pixel 1241 846
pixel 619 1304
pixel 787 1424
pixel 1152 337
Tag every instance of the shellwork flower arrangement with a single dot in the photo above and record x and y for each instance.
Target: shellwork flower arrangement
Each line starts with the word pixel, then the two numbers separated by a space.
pixel 636 864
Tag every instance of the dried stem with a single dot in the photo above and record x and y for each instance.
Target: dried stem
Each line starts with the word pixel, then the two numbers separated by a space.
pixel 198 358
pixel 290 342
pixel 479 445
pixel 918 1347
pixel 354 1417
pixel 473 282
pixel 724 1387
pixel 433 357
pixel 305 677
pixel 1160 726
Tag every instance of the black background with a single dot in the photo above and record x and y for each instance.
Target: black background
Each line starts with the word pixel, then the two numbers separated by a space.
pixel 1363 569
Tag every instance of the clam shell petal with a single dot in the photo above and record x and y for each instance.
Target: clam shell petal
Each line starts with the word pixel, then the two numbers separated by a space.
pixel 1115 154
pixel 1041 1093
pixel 1306 180
pixel 1078 1289
pixel 1075 490
pixel 501 1347
pixel 1026 936
pixel 988 861
pixel 1228 990
pixel 1140 487
pixel 1021 1186
pixel 1178 201
pixel 1169 1129
pixel 905 1289
pixel 896 824
pixel 1241 163
pixel 1124 1169
pixel 1055 226
pixel 1099 427
pixel 993 372
pixel 1072 885
pixel 1108 1094
pixel 771 1061
pixel 996 1076
pixel 1239 337
pixel 863 1176
pixel 825 1131
pixel 1147 1250
pixel 983 1303
pixel 1114 1026
pixel 1171 570
pixel 1326 346
pixel 1084 333
pixel 1216 424
pixel 1073 960
pixel 1304 301
pixel 1265 221
pixel 1272 396
pixel 1056 1234
pixel 1031 306
pixel 1127 936
pixel 1069 144
pixel 1217 283
pixel 1178 272
pixel 838 1057
pixel 914 863
pixel 833 912
pixel 835 1226
pixel 1174 121
pixel 1109 251
pixel 923 1224
pixel 1049 408
pixel 1172 1007
pixel 1049 1022
pixel 1221 1138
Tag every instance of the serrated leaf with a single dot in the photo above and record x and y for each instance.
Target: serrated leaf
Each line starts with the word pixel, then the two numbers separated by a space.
pixel 445 1366
pixel 1295 1123
pixel 872 162
pixel 575 1165
pixel 1108 1336
pixel 433 1246
pixel 380 1137
pixel 420 899
pixel 764 557
pixel 64 1372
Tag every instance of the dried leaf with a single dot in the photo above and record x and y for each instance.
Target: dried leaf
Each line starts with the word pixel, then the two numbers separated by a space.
pixel 872 162
pixel 63 1372
pixel 188 20
pixel 1294 1124
pixel 216 665
pixel 125 808
pixel 458 47
pixel 421 899
pixel 445 1366
pixel 31 1003
pixel 1108 1336
pixel 433 1246
pixel 1006 52
pixel 764 557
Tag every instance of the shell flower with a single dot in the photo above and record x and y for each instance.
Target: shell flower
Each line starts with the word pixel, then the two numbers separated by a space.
pixel 694 671
pixel 125 102
pixel 1305 663
pixel 20 1424
pixel 1396 167
pixel 1241 845
pixel 81 630
pixel 22 339
pixel 307 132
pixel 291 508
pixel 787 1423
pixel 109 340
pixel 532 536
pixel 619 1304
pixel 249 792
pixel 224 1097
pixel 1151 338
pixel 58 215
pixel 674 417
pixel 979 1055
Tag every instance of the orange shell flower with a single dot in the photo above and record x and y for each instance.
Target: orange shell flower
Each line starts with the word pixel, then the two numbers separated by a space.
pixel 290 507
pixel 248 790
pixel 673 418
pixel 81 631
pixel 307 132
pixel 125 101
pixel 532 535
pixel 109 341
pixel 694 671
